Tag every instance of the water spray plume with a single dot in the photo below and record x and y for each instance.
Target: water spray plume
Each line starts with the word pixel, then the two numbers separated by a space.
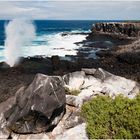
pixel 19 32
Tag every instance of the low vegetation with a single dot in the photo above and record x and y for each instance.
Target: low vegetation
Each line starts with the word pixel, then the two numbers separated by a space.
pixel 108 118
pixel 72 91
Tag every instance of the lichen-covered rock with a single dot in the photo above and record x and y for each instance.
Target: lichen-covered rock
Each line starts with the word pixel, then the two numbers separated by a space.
pixel 36 108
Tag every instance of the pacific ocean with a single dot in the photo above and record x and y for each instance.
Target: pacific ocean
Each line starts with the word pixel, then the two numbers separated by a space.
pixel 49 40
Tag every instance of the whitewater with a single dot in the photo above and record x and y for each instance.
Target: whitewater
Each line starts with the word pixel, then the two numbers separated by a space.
pixel 54 44
pixel 49 40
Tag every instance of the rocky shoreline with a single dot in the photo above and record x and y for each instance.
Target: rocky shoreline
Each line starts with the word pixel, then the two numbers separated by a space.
pixel 122 60
pixel 118 48
pixel 35 88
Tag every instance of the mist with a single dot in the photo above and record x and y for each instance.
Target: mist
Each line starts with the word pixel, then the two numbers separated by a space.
pixel 19 33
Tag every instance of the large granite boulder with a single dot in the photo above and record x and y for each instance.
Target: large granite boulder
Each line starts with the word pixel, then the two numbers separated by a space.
pixel 36 108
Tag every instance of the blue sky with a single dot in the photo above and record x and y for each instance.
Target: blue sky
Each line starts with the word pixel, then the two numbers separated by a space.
pixel 66 10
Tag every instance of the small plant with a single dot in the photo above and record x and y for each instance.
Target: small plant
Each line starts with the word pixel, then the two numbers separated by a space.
pixel 109 118
pixel 72 92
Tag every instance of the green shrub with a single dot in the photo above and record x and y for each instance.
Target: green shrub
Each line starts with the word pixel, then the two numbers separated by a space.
pixel 72 92
pixel 112 119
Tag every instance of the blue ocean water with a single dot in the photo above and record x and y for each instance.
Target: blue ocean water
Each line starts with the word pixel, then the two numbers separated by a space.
pixel 49 40
pixel 51 26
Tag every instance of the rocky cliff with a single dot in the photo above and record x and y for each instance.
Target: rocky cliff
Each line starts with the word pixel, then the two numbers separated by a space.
pixel 128 29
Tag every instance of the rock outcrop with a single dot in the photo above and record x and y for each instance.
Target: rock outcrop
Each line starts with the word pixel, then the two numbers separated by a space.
pixel 118 33
pixel 36 108
pixel 93 82
pixel 129 53
pixel 43 106
pixel 129 29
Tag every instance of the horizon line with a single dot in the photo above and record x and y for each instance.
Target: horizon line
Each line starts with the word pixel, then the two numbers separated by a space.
pixel 81 19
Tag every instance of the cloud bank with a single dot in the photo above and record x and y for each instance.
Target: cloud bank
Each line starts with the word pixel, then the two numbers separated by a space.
pixel 66 10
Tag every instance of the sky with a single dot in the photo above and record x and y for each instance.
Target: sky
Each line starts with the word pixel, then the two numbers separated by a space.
pixel 71 9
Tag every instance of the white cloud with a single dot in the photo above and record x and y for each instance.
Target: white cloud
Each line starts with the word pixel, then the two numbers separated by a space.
pixel 70 9
pixel 10 10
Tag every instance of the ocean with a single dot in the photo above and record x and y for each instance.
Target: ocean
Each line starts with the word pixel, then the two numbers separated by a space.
pixel 48 40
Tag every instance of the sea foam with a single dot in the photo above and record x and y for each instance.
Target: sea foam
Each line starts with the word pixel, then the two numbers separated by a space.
pixel 54 44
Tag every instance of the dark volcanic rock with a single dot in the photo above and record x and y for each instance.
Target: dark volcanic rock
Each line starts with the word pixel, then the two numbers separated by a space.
pixel 34 65
pixel 115 39
pixel 100 44
pixel 70 33
pixel 130 57
pixel 130 29
pixel 55 62
pixel 12 78
pixel 36 108
pixel 4 65
pixel 119 33
pixel 104 53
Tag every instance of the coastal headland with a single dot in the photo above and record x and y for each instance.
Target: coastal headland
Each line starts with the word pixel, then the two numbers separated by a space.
pixel 109 56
